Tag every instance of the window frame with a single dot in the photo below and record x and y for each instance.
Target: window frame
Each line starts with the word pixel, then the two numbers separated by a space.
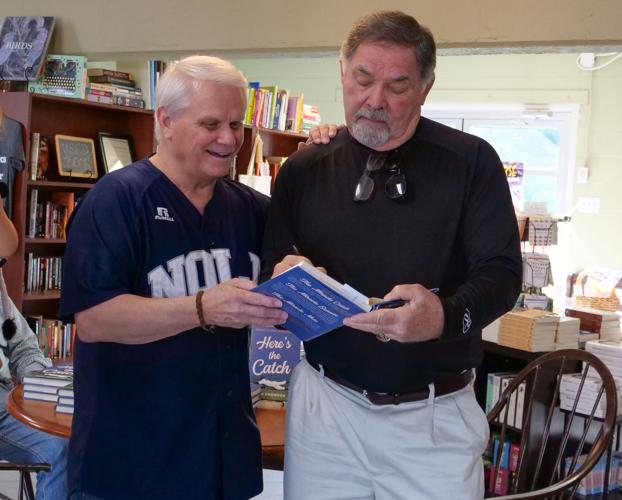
pixel 563 116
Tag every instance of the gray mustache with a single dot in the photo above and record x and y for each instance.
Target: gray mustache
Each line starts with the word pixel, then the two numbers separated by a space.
pixel 379 114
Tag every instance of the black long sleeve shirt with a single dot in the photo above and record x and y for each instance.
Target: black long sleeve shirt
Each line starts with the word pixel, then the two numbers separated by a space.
pixel 455 230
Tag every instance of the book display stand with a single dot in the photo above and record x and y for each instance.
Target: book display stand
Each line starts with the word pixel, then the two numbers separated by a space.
pixel 539 231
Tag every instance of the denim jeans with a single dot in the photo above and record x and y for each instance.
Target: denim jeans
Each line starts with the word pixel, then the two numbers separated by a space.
pixel 22 444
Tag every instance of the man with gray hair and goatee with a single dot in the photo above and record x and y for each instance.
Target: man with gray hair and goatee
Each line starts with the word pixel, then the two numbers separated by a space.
pixel 400 207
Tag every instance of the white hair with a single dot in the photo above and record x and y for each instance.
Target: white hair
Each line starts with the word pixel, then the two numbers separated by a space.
pixel 174 89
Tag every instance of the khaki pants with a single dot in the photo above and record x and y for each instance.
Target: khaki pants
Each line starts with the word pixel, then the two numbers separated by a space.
pixel 339 446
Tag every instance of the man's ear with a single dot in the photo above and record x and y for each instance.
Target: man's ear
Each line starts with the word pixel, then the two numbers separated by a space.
pixel 426 89
pixel 164 120
pixel 342 68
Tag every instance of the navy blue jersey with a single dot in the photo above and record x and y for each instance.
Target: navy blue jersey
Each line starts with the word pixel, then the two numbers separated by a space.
pixel 166 419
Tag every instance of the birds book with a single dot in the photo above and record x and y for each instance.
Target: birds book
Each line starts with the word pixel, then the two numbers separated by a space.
pixel 24 41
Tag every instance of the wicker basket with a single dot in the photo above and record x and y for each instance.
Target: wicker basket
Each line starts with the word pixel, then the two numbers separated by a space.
pixel 604 303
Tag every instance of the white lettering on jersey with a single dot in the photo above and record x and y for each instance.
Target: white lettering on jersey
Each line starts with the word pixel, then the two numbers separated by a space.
pixel 256 263
pixel 192 273
pixel 164 284
pixel 183 274
pixel 222 256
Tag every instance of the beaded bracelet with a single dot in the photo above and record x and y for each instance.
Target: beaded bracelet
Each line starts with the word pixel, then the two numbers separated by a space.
pixel 199 306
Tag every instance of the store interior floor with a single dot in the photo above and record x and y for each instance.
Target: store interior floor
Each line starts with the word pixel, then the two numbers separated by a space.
pixel 272 488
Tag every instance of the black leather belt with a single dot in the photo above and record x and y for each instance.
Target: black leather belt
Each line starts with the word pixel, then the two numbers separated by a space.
pixel 448 385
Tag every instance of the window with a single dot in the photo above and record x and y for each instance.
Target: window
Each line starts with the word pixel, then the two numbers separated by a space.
pixel 539 142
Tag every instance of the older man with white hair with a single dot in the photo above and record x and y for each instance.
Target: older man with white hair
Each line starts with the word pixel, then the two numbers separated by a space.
pixel 161 257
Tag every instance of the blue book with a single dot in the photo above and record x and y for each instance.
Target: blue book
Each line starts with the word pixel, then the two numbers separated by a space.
pixel 315 302
pixel 273 355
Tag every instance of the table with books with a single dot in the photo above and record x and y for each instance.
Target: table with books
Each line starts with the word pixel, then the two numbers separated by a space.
pixel 41 415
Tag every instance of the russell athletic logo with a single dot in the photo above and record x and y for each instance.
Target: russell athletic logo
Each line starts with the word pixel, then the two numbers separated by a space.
pixel 163 214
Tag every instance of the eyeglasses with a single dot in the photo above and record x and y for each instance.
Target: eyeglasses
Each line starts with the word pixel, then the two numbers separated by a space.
pixel 394 188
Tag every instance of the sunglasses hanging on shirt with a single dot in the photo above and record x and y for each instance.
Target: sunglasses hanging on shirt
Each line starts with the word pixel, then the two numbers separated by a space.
pixel 394 187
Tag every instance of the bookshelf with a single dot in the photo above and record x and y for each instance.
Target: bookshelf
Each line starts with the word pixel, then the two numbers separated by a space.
pixel 275 143
pixel 50 115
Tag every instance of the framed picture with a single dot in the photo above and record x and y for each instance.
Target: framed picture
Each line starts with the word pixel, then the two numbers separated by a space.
pixel 116 150
pixel 75 156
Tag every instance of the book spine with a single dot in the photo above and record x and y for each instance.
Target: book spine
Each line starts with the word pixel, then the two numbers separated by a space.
pixel 34 155
pixel 34 193
pixel 128 101
pixel 112 80
pixel 110 72
pixel 113 89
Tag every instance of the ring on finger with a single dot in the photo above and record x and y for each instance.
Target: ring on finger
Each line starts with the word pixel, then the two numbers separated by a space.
pixel 382 337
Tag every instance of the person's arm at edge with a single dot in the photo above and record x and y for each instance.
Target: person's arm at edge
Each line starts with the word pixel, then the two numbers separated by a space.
pixel 8 234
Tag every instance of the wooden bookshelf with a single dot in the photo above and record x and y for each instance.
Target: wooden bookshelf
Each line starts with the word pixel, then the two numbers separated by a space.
pixel 275 143
pixel 49 116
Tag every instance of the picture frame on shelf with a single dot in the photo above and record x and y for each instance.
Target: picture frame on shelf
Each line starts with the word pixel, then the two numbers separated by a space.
pixel 116 150
pixel 75 156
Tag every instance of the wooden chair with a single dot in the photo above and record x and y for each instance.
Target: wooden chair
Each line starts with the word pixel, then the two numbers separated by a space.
pixel 25 490
pixel 552 440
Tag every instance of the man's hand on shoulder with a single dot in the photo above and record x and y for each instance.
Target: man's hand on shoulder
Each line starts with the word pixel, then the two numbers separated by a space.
pixel 324 133
pixel 420 319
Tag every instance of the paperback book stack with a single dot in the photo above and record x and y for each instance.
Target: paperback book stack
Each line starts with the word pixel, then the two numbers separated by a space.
pixel 109 86
pixel 569 387
pixel 529 330
pixel 255 390
pixel 605 324
pixel 271 397
pixel 610 353
pixel 65 399
pixel 567 334
pixel 44 385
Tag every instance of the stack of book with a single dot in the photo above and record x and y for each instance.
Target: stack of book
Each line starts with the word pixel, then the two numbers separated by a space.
pixel 567 333
pixel 44 385
pixel 529 330
pixel 270 397
pixel 65 399
pixel 109 86
pixel 605 324
pixel 568 388
pixel 610 353
pixel 255 391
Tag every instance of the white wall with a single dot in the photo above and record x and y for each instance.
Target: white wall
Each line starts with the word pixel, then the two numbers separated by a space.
pixel 165 27
pixel 509 78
